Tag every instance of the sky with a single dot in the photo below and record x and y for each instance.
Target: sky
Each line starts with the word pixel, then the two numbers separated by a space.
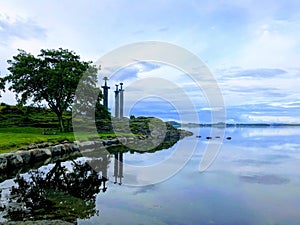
pixel 252 48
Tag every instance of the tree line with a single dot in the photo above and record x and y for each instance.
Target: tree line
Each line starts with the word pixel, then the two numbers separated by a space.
pixel 52 77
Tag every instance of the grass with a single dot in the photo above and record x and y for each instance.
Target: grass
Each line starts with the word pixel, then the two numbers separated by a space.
pixel 24 126
pixel 13 138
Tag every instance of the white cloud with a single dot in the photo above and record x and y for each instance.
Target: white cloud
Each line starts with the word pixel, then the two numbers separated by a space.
pixel 224 34
pixel 211 109
pixel 271 45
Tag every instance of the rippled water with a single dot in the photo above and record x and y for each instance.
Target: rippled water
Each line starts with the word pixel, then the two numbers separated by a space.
pixel 254 180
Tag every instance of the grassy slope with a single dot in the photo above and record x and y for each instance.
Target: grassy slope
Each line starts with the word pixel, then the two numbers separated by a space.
pixel 21 127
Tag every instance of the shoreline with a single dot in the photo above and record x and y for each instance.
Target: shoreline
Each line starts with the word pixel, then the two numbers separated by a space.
pixel 45 153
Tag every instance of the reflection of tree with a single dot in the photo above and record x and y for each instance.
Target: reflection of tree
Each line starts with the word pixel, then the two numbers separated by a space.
pixel 67 192
pixel 62 193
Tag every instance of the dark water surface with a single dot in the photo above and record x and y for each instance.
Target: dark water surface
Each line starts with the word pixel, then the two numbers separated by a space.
pixel 254 180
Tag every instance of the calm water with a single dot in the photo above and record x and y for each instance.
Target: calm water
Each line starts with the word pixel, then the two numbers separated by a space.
pixel 254 180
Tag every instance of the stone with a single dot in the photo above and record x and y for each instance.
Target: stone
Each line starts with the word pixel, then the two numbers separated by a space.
pixel 3 163
pixel 14 160
pixel 86 145
pixel 75 147
pixel 26 156
pixel 33 146
pixel 67 147
pixel 56 150
pixel 40 154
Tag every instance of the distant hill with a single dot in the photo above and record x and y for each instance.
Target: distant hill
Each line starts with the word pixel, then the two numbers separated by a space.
pixel 194 125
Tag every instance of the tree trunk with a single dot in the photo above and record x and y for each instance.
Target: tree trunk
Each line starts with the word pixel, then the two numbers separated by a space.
pixel 61 123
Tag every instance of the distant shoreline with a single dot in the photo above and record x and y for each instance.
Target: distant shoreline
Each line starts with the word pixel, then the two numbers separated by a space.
pixel 226 125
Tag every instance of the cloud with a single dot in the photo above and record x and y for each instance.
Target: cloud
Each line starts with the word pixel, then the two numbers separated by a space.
pixel 264 72
pixel 211 109
pixel 132 72
pixel 239 72
pixel 21 28
pixel 262 113
pixel 287 105
pixel 125 74
pixel 272 44
pixel 267 86
pixel 251 47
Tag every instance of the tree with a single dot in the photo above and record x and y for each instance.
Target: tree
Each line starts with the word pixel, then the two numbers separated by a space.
pixel 88 99
pixel 52 76
pixel 2 85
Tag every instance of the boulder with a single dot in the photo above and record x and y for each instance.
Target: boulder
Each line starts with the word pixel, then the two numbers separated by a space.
pixel 14 160
pixel 86 145
pixel 3 163
pixel 68 148
pixel 56 150
pixel 40 154
pixel 75 147
pixel 26 156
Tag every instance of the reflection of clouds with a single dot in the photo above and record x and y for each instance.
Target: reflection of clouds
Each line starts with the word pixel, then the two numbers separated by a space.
pixel 253 162
pixel 124 213
pixel 271 132
pixel 264 179
pixel 145 189
pixel 261 160
pixel 287 147
pixel 157 167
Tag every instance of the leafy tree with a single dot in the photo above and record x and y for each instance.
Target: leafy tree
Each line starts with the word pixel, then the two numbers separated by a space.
pixel 84 104
pixel 52 76
pixel 2 85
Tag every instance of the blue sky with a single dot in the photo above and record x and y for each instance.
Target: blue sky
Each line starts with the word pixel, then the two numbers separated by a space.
pixel 251 47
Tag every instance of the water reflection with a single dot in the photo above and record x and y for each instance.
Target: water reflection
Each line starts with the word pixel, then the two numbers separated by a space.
pixel 251 182
pixel 264 179
pixel 118 167
pixel 65 192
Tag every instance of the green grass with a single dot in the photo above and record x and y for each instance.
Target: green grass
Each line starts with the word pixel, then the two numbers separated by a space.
pixel 24 126
pixel 13 138
pixel 29 116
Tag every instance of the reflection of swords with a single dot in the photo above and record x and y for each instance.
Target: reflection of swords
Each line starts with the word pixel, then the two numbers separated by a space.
pixel 121 167
pixel 104 173
pixel 196 70
pixel 116 170
pixel 118 167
